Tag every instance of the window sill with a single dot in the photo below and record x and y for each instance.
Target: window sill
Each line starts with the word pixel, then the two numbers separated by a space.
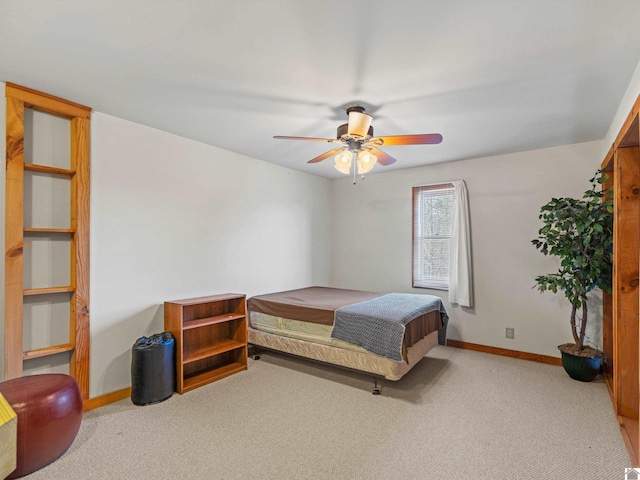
pixel 434 287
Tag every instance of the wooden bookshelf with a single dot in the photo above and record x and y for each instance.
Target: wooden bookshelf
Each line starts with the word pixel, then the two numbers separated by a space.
pixel 74 174
pixel 620 329
pixel 211 338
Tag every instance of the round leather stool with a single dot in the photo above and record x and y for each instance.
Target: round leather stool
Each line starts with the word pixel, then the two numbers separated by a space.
pixel 49 409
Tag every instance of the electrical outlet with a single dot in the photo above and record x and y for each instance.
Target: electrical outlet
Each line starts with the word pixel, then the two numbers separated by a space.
pixel 510 333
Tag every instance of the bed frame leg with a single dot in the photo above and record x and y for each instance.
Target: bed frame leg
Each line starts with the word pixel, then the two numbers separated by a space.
pixel 254 352
pixel 376 390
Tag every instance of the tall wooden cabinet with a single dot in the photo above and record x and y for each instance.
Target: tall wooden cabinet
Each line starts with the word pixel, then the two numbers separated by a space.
pixel 46 234
pixel 211 338
pixel 620 309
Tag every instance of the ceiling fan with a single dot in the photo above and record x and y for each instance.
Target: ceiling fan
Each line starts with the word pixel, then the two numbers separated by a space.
pixel 357 139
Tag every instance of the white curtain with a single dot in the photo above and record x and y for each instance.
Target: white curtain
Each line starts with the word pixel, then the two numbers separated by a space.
pixel 460 278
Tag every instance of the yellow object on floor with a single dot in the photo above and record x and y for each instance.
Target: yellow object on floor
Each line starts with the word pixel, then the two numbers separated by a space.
pixel 8 438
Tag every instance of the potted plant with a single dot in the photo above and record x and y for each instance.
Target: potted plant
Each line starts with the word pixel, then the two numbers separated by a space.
pixel 580 232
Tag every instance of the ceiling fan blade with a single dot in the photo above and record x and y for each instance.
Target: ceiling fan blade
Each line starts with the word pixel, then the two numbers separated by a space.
pixel 422 139
pixel 383 158
pixel 359 124
pixel 312 139
pixel 326 155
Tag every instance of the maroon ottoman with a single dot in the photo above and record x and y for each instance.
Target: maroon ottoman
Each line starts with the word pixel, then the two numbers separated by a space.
pixel 49 409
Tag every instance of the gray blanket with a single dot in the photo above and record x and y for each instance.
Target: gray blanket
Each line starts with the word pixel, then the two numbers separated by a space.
pixel 378 325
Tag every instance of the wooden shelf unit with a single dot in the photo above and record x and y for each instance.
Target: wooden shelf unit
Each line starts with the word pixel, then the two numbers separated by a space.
pixel 211 338
pixel 21 100
pixel 620 333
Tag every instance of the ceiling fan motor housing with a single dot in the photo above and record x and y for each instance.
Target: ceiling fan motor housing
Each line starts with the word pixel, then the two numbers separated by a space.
pixel 343 130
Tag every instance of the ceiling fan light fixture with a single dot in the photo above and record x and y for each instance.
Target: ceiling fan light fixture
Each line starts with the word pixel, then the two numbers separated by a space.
pixel 366 161
pixel 359 124
pixel 343 162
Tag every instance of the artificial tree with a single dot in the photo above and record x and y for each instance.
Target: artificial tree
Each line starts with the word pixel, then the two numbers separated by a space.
pixel 580 232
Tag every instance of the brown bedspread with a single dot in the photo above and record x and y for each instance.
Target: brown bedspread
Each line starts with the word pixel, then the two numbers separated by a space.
pixel 318 305
pixel 313 304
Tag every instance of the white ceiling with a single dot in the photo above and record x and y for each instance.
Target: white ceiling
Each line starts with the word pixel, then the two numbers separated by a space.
pixel 491 76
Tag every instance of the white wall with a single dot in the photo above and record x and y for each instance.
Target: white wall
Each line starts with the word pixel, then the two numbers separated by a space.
pixel 173 218
pixel 629 98
pixel 372 240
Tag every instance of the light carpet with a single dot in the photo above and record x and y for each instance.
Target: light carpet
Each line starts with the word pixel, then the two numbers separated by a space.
pixel 457 414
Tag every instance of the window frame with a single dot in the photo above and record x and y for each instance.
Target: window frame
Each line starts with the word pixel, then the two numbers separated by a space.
pixel 432 283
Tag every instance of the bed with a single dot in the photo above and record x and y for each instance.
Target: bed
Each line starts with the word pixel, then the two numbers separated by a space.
pixel 330 325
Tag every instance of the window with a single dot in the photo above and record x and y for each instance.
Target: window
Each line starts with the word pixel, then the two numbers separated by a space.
pixel 432 225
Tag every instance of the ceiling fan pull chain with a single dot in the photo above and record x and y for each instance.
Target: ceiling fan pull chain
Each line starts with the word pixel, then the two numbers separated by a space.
pixel 354 172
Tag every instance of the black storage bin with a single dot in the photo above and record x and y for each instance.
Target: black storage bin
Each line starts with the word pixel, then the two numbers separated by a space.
pixel 153 376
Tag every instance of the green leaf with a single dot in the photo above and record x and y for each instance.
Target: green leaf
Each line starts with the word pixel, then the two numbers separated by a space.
pixel 580 233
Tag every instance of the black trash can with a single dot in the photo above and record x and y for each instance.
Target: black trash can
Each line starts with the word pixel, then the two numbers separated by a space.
pixel 153 376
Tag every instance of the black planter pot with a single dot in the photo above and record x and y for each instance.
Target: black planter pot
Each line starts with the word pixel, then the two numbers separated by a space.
pixel 583 369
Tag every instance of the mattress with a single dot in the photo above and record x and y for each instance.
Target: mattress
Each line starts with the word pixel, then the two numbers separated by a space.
pixel 308 331
pixel 315 307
